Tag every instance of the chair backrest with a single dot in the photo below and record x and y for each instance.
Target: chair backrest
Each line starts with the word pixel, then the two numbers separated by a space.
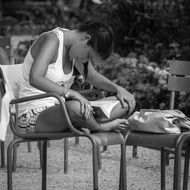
pixel 179 80
pixel 10 86
pixel 11 75
pixel 6 53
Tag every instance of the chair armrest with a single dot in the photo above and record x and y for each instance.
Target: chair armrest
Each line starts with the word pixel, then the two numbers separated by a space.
pixel 35 97
pixel 60 100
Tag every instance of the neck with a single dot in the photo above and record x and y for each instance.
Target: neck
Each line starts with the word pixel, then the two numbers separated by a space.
pixel 70 36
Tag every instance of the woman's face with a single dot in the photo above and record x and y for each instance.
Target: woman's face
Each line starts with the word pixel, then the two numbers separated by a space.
pixel 82 52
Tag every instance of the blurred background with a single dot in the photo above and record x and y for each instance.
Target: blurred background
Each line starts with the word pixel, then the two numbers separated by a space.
pixel 148 33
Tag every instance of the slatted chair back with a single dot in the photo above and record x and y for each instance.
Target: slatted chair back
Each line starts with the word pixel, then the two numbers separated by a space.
pixel 179 79
pixel 5 56
pixel 9 76
pixel 12 74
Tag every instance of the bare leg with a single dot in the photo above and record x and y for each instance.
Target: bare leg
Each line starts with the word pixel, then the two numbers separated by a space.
pixel 117 112
pixel 51 120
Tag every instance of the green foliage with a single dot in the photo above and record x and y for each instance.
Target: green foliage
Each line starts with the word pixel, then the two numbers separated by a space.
pixel 148 27
pixel 145 79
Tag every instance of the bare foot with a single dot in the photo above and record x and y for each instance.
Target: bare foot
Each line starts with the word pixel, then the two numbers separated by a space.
pixel 117 124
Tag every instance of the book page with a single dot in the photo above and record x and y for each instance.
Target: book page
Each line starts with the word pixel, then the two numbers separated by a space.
pixel 106 106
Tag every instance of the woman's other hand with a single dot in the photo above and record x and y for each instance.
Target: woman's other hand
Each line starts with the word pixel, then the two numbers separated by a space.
pixel 86 108
pixel 126 98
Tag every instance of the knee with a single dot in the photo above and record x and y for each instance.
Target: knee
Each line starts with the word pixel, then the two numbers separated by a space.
pixel 73 109
pixel 119 112
pixel 125 111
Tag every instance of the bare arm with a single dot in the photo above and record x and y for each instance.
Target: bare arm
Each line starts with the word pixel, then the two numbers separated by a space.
pixel 99 81
pixel 42 58
pixel 43 52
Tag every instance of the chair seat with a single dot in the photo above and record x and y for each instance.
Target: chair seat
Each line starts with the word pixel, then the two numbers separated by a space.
pixel 152 140
pixel 47 136
pixel 102 138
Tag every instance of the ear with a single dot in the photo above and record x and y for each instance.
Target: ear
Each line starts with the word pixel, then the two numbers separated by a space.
pixel 86 37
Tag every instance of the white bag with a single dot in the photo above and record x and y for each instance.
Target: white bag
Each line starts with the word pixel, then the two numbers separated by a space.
pixel 159 121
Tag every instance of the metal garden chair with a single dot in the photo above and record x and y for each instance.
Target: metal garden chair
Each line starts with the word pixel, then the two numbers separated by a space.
pixel 178 81
pixel 97 140
pixel 6 58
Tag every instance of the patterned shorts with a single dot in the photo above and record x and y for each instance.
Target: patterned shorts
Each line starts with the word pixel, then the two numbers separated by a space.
pixel 27 121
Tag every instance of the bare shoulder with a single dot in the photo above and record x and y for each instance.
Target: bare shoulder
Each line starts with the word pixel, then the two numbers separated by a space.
pixel 49 36
pixel 47 39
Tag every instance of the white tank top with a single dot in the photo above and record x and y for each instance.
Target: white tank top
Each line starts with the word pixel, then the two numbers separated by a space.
pixel 54 73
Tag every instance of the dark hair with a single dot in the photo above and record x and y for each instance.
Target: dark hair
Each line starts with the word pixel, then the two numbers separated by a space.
pixel 102 37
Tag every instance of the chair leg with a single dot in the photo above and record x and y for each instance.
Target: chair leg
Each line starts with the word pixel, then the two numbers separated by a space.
pixel 95 163
pixel 15 154
pixel 105 148
pixel 14 160
pixel 9 161
pixel 44 165
pixel 167 157
pixel 95 149
pixel 76 140
pixel 39 145
pixel 29 146
pixel 66 152
pixel 9 166
pixel 48 144
pixel 134 154
pixel 177 168
pixel 123 173
pixel 2 154
pixel 163 168
pixel 120 177
pixel 99 158
pixel 186 168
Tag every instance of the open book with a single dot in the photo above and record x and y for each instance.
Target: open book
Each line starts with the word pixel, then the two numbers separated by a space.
pixel 102 109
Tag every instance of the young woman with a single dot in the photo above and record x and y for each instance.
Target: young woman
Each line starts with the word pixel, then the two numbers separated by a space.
pixel 49 65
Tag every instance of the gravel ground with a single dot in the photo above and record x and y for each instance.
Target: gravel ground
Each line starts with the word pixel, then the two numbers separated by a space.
pixel 143 173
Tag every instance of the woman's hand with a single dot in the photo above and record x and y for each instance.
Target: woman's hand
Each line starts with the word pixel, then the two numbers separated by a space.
pixel 126 99
pixel 86 108
pixel 69 82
